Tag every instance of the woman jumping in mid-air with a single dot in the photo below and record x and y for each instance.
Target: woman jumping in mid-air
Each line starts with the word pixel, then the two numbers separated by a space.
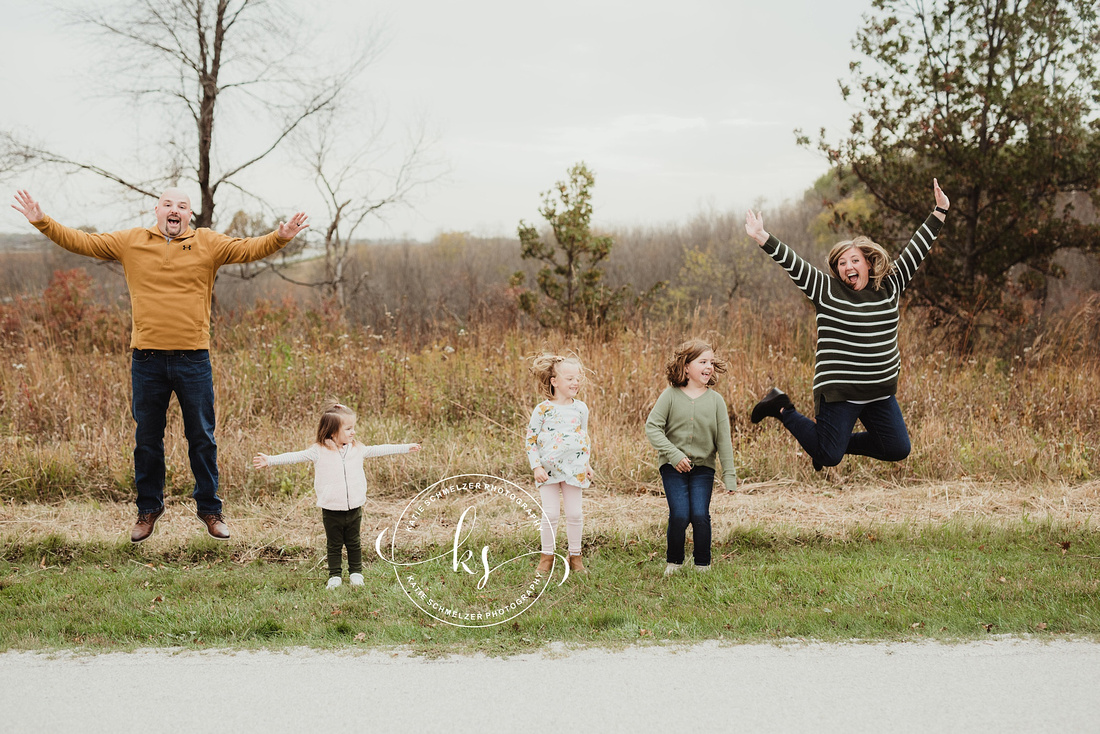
pixel 857 362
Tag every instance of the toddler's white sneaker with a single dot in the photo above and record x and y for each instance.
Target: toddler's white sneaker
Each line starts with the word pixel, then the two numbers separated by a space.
pixel 333 582
pixel 703 569
pixel 357 579
pixel 673 568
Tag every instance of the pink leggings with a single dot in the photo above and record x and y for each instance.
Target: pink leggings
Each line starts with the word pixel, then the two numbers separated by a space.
pixel 574 516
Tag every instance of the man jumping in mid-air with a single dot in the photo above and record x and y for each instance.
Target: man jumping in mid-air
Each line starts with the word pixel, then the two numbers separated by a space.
pixel 170 273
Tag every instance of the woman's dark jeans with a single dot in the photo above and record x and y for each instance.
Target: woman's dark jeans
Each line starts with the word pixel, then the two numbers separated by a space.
pixel 155 375
pixel 829 438
pixel 688 496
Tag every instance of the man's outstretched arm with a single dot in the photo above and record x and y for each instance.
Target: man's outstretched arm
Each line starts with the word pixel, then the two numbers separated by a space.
pixel 103 246
pixel 247 249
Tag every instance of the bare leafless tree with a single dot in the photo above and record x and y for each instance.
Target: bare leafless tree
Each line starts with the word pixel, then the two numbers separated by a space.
pixel 359 176
pixel 192 62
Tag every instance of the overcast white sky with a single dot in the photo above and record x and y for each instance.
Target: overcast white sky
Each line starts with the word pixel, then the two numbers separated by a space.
pixel 677 107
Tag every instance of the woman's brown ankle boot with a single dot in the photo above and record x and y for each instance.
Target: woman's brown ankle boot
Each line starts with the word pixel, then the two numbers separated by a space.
pixel 546 562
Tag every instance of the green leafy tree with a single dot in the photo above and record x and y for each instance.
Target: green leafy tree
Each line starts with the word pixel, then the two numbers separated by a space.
pixel 996 98
pixel 571 291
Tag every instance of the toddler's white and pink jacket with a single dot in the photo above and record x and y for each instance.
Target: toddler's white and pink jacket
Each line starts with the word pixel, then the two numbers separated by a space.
pixel 338 476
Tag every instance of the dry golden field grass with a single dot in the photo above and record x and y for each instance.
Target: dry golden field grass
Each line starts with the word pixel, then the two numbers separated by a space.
pixel 996 437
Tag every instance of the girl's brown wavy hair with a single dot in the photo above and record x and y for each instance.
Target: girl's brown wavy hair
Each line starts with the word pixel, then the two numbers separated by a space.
pixel 685 354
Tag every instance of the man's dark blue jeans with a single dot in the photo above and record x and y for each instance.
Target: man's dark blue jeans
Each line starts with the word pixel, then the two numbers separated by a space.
pixel 830 437
pixel 688 494
pixel 155 375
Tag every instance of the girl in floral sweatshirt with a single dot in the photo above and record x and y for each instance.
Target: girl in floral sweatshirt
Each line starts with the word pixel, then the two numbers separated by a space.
pixel 557 452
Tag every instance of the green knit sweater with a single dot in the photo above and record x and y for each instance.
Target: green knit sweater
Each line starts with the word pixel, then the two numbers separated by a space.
pixel 699 429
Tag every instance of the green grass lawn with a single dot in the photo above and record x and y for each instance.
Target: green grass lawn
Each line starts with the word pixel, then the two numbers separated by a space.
pixel 946 582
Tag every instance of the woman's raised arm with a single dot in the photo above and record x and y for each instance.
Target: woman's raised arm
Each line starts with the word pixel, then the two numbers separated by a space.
pixel 754 227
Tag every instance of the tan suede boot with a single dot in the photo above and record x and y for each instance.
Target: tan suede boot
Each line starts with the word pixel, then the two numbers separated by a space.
pixel 546 562
pixel 576 565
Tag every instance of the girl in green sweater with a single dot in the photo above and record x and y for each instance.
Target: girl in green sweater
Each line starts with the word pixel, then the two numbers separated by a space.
pixel 689 425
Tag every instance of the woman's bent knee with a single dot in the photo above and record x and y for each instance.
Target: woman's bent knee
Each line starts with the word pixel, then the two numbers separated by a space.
pixel 899 452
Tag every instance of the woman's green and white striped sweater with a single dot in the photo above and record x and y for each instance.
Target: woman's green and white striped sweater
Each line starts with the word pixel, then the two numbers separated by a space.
pixel 857 331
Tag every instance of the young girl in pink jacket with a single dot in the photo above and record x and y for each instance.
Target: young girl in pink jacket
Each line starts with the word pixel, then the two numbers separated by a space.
pixel 340 484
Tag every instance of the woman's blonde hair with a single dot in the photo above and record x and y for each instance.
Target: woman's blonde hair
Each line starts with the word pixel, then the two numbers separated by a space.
pixel 879 264
pixel 332 417
pixel 545 368
pixel 685 354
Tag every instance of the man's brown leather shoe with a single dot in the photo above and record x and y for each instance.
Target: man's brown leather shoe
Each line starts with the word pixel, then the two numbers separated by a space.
pixel 143 528
pixel 215 525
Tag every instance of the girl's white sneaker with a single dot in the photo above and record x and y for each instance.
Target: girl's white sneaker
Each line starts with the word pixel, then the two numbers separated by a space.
pixel 357 579
pixel 333 582
pixel 673 568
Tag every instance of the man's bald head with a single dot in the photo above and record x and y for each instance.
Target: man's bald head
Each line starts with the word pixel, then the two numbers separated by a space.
pixel 173 212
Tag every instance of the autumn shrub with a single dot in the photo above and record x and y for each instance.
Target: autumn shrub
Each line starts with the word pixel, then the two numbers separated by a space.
pixel 67 316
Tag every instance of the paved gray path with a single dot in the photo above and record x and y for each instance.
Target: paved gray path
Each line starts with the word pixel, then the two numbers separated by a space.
pixel 999 685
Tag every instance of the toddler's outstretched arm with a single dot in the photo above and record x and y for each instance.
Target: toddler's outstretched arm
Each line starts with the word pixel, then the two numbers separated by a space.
pixel 388 449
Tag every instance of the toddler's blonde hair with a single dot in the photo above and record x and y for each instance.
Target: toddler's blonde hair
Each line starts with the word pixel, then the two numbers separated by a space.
pixel 545 367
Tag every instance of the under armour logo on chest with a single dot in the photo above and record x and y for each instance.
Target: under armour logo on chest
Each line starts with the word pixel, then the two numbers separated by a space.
pixel 187 247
